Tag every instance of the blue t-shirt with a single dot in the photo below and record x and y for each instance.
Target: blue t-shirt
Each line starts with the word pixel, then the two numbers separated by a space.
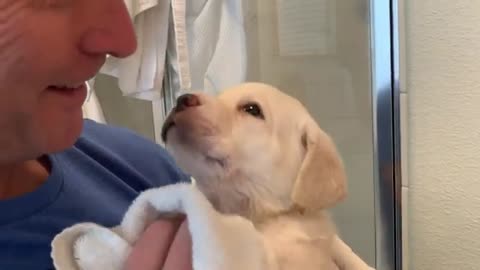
pixel 96 180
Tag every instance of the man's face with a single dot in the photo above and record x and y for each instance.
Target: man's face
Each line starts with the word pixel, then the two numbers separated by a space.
pixel 47 49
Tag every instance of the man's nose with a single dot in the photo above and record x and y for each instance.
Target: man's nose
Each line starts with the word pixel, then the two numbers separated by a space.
pixel 113 31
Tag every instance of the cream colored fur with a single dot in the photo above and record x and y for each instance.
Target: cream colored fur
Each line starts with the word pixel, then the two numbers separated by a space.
pixel 281 171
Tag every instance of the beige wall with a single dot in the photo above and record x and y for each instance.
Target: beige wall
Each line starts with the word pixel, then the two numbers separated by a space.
pixel 443 84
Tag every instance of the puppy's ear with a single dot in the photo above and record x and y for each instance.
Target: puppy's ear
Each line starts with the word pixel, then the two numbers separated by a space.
pixel 321 181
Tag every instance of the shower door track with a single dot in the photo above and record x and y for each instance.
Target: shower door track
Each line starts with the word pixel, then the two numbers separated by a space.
pixel 385 40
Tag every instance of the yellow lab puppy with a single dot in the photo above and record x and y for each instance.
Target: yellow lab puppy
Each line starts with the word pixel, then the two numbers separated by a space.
pixel 256 152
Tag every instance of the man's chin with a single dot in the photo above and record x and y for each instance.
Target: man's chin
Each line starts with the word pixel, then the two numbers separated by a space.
pixel 62 138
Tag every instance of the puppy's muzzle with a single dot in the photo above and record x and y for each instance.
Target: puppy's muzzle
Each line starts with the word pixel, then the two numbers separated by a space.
pixel 184 102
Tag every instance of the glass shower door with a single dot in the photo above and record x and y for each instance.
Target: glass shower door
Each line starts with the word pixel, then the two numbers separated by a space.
pixel 338 58
pixel 334 56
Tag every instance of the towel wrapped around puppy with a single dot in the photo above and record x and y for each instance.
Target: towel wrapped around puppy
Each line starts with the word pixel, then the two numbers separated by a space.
pixel 219 241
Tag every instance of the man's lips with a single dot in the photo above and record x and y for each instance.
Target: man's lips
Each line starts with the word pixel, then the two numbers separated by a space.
pixel 70 96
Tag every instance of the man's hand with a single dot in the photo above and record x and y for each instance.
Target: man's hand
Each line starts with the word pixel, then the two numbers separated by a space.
pixel 165 245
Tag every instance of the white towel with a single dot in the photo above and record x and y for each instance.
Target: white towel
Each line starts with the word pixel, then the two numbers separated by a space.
pixel 201 43
pixel 91 107
pixel 219 241
pixel 217 44
pixel 141 74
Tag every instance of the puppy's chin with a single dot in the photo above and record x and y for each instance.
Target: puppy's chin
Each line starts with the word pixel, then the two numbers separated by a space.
pixel 197 155
pixel 211 169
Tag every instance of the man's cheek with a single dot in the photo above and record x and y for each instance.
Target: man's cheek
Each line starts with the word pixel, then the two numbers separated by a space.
pixel 13 39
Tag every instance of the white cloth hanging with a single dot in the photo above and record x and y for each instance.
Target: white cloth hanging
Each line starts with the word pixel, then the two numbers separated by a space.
pixel 141 74
pixel 91 107
pixel 202 43
pixel 216 45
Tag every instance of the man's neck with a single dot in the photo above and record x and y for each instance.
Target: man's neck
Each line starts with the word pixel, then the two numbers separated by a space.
pixel 17 179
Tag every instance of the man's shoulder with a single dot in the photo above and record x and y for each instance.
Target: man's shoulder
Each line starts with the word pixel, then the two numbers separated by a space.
pixel 110 144
pixel 115 138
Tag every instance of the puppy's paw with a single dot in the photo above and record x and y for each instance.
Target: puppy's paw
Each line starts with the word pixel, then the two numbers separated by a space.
pixel 100 248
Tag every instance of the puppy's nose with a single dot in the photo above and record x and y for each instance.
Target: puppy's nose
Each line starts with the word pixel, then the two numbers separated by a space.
pixel 187 100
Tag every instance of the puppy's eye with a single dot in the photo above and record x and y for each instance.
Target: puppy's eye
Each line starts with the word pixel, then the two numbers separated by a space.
pixel 253 109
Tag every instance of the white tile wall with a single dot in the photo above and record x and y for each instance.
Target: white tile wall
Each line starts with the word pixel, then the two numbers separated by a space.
pixel 404 137
pixel 402 47
pixel 405 259
pixel 405 184
pixel 404 130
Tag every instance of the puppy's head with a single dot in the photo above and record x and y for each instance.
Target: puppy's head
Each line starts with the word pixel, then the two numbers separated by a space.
pixel 254 151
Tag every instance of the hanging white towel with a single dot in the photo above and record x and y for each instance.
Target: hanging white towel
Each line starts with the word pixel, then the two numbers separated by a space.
pixel 216 45
pixel 141 74
pixel 91 107
pixel 202 43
